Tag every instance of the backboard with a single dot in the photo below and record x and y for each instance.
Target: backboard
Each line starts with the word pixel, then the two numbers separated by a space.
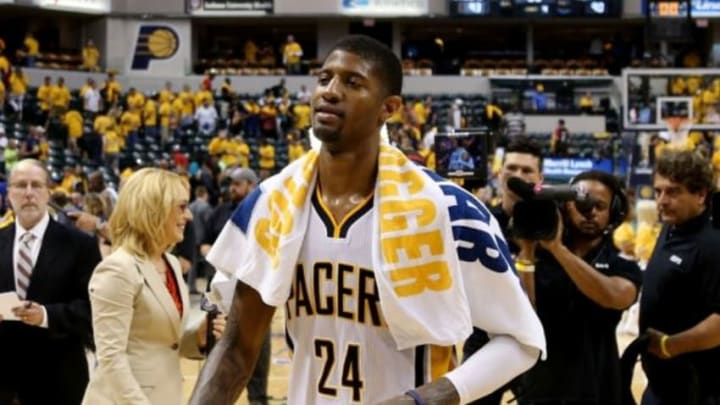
pixel 651 96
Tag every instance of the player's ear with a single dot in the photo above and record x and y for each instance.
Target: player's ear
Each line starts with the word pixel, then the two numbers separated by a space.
pixel 391 105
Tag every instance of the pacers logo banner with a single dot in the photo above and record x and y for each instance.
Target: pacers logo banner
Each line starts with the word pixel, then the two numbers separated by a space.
pixel 154 42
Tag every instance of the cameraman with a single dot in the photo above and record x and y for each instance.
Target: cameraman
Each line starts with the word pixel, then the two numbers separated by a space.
pixel 582 286
pixel 680 306
pixel 522 159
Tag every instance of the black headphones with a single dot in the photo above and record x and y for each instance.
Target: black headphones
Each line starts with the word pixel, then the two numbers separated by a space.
pixel 619 205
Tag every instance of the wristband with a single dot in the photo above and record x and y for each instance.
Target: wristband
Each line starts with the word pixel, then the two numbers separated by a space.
pixel 416 397
pixel 525 266
pixel 663 346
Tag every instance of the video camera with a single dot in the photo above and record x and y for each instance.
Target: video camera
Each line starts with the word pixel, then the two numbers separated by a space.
pixel 535 216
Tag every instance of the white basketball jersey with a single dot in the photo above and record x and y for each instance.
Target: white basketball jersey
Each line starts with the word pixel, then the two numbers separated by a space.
pixel 342 350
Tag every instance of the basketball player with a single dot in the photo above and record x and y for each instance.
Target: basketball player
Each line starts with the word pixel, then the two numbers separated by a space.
pixel 343 351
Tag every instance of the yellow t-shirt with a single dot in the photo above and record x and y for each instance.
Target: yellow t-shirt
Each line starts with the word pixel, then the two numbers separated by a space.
pixel 421 112
pixel 188 103
pixel 295 151
pixel 129 121
pixel 74 123
pixel 397 118
pixel 32 45
pixel 166 96
pixel 91 56
pixel 302 116
pixel 624 236
pixel 4 64
pixel 60 96
pixel 217 146
pixel 586 101
pixel 645 240
pixel 165 111
pixel 18 84
pixel 112 141
pixel 112 91
pixel 150 113
pixel 243 151
pixel 267 157
pixel 292 52
pixel 201 96
pixel 44 95
pixel 136 102
pixel 103 123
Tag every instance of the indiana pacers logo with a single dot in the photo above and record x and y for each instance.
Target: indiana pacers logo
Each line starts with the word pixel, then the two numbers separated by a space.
pixel 155 42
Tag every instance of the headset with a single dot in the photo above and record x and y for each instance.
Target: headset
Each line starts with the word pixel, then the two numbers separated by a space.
pixel 619 205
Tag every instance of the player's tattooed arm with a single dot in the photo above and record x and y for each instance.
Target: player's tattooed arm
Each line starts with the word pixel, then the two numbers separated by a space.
pixel 439 392
pixel 230 364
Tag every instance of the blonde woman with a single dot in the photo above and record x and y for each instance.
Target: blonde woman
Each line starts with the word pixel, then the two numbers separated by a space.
pixel 140 304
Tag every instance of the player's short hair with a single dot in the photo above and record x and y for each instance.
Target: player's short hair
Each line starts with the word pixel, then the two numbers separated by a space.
pixel 687 168
pixel 386 64
pixel 523 144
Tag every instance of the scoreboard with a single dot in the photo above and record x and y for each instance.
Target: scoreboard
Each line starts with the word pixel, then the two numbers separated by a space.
pixel 536 8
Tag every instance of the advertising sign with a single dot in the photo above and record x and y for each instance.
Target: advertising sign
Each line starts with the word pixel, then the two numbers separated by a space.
pixel 230 7
pixel 374 8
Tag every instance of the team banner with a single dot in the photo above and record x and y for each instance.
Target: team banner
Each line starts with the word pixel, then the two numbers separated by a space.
pixel 372 8
pixel 230 7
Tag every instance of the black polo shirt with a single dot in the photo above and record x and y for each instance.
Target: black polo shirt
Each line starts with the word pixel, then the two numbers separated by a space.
pixel 681 289
pixel 582 363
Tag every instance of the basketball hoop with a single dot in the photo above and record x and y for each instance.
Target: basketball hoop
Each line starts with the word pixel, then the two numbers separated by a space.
pixel 678 129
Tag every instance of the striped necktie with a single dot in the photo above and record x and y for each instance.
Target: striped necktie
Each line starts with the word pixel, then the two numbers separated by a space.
pixel 24 264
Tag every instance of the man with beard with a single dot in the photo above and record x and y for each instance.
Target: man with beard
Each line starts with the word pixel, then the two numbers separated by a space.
pixel 582 286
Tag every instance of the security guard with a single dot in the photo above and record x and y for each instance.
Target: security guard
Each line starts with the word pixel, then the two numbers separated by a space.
pixel 680 306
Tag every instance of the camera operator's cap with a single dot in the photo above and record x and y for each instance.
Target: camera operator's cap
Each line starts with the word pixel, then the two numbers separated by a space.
pixel 241 174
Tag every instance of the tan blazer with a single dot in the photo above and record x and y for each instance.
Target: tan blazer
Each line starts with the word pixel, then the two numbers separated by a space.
pixel 139 334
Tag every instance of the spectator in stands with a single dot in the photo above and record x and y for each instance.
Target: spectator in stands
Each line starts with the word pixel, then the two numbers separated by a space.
pixel 268 118
pixel 12 155
pixel 539 98
pixel 129 127
pixel 266 151
pixel 112 89
pixel 96 184
pixel 301 115
pixel 44 96
pixel 73 121
pixel 456 115
pixel 166 114
pixel 150 116
pixel 167 94
pixel 19 82
pixel 60 96
pixel 31 49
pixel 207 82
pixel 135 101
pixel 587 103
pixel 92 100
pixel 251 51
pixel 5 69
pixel 206 117
pixel 560 139
pixel 303 95
pixel 90 57
pixel 292 54
pixel 252 119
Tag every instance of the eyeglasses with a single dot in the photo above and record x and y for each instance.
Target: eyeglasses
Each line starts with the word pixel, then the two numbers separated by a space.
pixel 23 185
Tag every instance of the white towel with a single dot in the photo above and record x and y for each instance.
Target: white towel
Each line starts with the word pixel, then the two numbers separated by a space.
pixel 440 262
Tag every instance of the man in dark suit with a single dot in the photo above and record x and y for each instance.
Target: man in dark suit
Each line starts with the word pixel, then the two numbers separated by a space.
pixel 48 265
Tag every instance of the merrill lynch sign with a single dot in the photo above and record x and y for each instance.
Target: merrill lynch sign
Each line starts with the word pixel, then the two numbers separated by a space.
pixel 384 7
